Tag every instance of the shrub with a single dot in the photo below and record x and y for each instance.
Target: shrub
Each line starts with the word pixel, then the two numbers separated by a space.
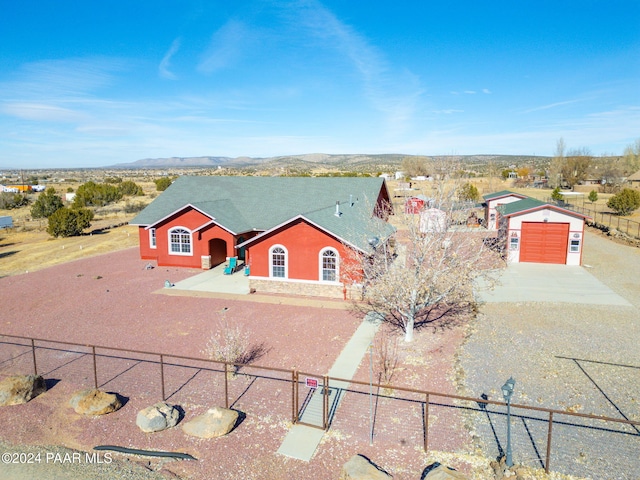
pixel 46 204
pixel 69 222
pixel 231 344
pixel 386 355
pixel 555 195
pixel 162 183
pixel 133 207
pixel 469 192
pixel 96 194
pixel 625 202
pixel 9 201
pixel 593 196
pixel 129 188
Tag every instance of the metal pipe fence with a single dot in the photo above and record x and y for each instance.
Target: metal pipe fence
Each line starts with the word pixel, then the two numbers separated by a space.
pixel 628 226
pixel 366 410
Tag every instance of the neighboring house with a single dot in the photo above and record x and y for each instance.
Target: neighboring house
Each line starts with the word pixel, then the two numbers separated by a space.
pixel 634 180
pixel 539 232
pixel 294 234
pixel 494 200
pixel 414 205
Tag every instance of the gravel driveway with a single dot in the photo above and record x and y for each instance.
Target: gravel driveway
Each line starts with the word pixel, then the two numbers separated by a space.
pixel 568 356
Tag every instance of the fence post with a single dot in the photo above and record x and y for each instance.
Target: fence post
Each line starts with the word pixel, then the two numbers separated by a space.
pixel 325 403
pixel 33 352
pixel 95 368
pixel 547 460
pixel 162 376
pixel 295 398
pixel 226 387
pixel 426 423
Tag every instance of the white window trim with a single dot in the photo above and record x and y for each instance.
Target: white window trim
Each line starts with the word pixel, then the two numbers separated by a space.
pixel 153 241
pixel 286 261
pixel 184 254
pixel 320 265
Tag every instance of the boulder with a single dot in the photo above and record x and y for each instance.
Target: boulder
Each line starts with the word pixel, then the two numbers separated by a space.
pixel 19 389
pixel 157 417
pixel 94 402
pixel 360 467
pixel 216 422
pixel 442 472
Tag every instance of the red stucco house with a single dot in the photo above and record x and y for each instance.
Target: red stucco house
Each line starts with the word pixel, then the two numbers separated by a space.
pixel 293 233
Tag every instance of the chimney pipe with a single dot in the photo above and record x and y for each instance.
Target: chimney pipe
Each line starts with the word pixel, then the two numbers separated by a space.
pixel 337 214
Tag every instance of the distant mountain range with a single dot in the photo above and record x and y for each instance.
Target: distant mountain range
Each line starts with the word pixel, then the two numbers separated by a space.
pixel 313 161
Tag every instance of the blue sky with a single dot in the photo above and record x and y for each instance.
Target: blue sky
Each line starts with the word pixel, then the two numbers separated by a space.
pixel 89 84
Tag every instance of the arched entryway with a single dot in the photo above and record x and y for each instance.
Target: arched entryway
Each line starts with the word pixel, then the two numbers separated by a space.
pixel 218 251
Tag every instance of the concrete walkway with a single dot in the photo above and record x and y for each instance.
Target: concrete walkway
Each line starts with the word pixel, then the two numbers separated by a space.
pixel 302 441
pixel 215 280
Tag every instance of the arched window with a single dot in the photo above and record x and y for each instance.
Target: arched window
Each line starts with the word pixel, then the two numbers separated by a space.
pixel 278 262
pixel 329 265
pixel 179 241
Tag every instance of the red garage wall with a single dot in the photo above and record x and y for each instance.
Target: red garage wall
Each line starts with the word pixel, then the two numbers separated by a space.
pixel 303 242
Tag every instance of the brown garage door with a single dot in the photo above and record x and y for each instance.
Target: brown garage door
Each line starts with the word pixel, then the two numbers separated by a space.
pixel 544 242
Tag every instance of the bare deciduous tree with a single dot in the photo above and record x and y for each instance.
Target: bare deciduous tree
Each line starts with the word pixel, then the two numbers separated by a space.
pixel 231 344
pixel 428 280
pixel 576 166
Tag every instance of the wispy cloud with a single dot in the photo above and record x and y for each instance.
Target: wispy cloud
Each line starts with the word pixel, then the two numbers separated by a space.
pixel 394 92
pixel 486 91
pixel 448 111
pixel 165 64
pixel 41 112
pixel 61 78
pixel 551 105
pixel 227 45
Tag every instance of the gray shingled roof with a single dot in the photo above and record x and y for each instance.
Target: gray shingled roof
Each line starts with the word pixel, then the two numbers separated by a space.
pixel 533 204
pixel 242 204
pixel 502 193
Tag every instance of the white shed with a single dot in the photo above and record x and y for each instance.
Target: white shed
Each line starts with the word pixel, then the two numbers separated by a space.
pixel 539 232
pixel 433 220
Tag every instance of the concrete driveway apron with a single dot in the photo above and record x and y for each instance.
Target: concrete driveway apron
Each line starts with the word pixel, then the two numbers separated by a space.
pixel 540 282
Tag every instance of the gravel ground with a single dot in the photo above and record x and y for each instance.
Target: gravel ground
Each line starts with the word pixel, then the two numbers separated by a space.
pixel 569 357
pixel 112 300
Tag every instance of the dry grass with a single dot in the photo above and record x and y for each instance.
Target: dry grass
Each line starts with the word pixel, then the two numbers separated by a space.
pixel 22 251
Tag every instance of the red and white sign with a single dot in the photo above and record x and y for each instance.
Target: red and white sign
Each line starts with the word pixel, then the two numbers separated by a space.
pixel 311 382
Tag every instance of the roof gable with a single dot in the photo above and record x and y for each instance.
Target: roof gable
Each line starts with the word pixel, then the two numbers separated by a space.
pixel 502 194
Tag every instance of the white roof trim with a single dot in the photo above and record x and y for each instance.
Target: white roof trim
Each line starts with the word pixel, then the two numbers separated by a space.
pixel 152 225
pixel 298 217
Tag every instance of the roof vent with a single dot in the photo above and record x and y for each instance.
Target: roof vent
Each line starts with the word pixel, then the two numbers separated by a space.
pixel 338 213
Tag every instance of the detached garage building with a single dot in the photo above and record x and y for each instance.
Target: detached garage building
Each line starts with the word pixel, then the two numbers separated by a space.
pixel 539 232
pixel 492 204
